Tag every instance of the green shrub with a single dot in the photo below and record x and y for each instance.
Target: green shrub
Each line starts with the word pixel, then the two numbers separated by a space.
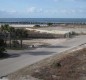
pixel 15 43
pixel 49 24
pixel 37 26
pixel 56 64
pixel 2 46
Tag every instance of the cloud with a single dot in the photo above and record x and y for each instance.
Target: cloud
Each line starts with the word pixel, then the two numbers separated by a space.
pixel 66 11
pixel 39 12
pixel 72 11
pixel 31 9
pixel 8 11
pixel 34 10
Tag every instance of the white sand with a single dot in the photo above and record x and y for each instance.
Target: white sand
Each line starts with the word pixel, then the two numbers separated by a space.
pixel 21 25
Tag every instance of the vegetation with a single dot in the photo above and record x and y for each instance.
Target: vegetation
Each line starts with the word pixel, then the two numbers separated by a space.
pixel 5 27
pixel 37 26
pixel 49 24
pixel 15 43
pixel 13 35
pixel 2 46
pixel 21 34
pixel 7 31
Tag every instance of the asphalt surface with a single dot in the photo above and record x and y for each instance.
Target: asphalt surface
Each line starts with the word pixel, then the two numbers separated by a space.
pixel 21 59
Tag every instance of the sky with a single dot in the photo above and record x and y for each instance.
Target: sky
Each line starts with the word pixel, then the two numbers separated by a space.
pixel 42 8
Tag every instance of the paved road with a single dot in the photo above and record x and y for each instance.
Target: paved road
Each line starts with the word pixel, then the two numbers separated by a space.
pixel 24 58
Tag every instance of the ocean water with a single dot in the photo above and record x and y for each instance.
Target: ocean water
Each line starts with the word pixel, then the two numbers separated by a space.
pixel 43 20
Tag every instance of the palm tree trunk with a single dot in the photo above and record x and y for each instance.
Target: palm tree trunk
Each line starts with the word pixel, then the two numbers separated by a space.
pixel 21 43
pixel 10 39
pixel 5 40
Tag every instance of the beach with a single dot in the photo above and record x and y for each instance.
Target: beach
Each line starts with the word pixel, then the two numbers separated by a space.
pixel 20 25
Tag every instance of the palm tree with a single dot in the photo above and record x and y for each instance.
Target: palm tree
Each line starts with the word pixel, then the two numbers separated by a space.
pixel 21 34
pixel 11 31
pixel 2 46
pixel 8 31
pixel 5 27
pixel 4 31
pixel 14 33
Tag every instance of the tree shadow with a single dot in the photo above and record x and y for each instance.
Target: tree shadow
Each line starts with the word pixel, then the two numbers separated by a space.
pixel 35 53
pixel 57 46
pixel 39 53
pixel 4 56
pixel 14 55
pixel 7 55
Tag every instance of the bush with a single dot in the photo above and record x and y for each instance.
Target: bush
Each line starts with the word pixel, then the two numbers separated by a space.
pixel 56 64
pixel 15 43
pixel 2 49
pixel 2 46
pixel 49 24
pixel 37 26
